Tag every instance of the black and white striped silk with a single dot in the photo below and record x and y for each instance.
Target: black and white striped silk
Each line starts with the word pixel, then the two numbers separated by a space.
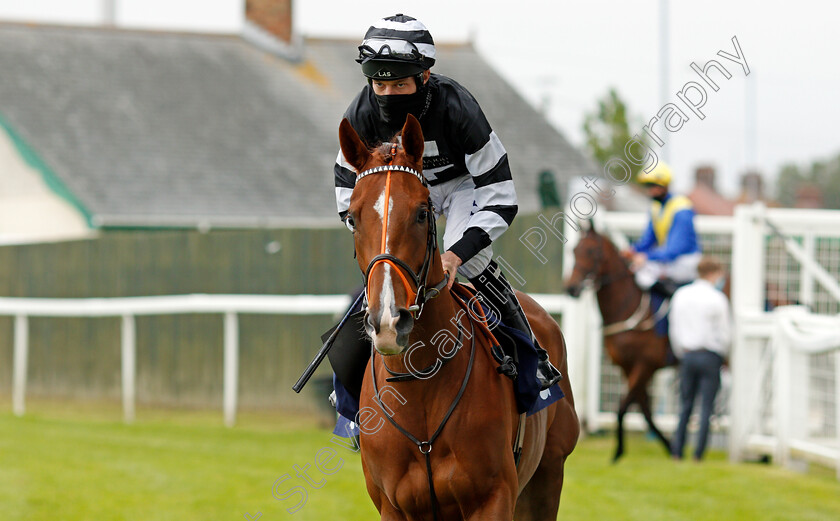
pixel 459 142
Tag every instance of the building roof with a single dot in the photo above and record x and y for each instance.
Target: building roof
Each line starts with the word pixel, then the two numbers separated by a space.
pixel 160 129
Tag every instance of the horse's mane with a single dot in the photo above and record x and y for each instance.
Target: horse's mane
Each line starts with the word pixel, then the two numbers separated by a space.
pixel 384 148
pixel 611 249
pixel 609 244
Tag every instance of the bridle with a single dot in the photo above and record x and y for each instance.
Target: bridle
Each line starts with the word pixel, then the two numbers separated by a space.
pixel 604 280
pixel 424 292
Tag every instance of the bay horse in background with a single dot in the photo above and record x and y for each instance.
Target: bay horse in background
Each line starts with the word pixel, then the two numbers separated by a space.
pixel 629 337
pixel 443 444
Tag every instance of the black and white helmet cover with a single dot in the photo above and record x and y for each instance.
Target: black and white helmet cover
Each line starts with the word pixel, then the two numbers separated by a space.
pixel 396 47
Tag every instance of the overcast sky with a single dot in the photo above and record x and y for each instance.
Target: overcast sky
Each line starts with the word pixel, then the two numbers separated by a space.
pixel 570 53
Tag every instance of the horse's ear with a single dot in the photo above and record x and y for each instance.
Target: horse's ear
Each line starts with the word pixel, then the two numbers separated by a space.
pixel 412 140
pixel 355 151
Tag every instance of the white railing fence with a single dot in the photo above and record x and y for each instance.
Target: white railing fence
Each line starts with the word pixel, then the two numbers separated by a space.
pixel 785 399
pixel 777 257
pixel 228 306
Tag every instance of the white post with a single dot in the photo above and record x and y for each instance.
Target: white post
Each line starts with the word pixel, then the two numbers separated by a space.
pixel 790 395
pixel 806 275
pixel 572 237
pixel 574 333
pixel 782 406
pixel 748 259
pixel 231 367
pixel 590 319
pixel 748 262
pixel 129 363
pixel 21 354
pixel 837 403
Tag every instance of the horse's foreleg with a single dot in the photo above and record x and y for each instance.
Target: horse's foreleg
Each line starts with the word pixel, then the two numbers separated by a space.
pixel 387 512
pixel 644 403
pixel 499 505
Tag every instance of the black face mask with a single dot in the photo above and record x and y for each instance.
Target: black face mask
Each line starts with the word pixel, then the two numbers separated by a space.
pixel 393 108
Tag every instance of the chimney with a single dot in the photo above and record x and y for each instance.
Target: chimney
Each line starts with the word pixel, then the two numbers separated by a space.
pixel 274 16
pixel 808 196
pixel 752 187
pixel 705 176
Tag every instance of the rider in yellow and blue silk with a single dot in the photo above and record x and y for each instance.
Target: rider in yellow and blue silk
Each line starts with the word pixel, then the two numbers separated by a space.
pixel 668 252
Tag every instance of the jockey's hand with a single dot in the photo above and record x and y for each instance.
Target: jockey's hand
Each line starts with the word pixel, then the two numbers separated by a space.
pixel 450 262
pixel 638 261
pixel 627 254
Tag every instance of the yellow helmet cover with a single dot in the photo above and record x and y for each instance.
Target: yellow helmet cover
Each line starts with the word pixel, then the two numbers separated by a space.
pixel 660 175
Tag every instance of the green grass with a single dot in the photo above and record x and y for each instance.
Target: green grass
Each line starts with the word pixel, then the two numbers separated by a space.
pixel 72 463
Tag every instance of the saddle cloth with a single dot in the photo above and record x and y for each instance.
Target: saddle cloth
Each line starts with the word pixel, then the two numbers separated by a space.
pixel 351 367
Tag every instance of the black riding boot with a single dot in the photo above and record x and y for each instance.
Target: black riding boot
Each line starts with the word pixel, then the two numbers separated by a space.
pixel 493 286
pixel 665 287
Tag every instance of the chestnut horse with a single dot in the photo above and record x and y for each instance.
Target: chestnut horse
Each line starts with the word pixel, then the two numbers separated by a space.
pixel 629 337
pixel 446 449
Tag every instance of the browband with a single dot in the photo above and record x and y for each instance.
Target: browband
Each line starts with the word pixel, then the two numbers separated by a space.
pixel 398 168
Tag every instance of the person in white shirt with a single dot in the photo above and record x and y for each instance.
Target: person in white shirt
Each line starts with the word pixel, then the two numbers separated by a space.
pixel 700 332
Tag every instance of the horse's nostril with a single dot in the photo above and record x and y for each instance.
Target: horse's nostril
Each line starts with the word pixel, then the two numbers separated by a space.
pixel 406 321
pixel 371 323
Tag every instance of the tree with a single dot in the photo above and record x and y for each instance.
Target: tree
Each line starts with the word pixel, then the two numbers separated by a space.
pixel 826 175
pixel 607 129
pixel 787 183
pixel 823 174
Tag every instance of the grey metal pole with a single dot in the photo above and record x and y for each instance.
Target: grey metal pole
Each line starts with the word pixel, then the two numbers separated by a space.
pixel 664 69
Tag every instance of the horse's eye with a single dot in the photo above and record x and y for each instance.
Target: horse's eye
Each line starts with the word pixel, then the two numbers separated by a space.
pixel 350 223
pixel 422 215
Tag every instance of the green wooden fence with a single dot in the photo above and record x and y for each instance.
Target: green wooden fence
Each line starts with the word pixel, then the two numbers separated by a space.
pixel 179 358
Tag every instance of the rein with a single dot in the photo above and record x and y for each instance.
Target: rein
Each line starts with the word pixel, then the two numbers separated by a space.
pixel 424 292
pixel 604 280
pixel 636 321
pixel 425 447
pixel 420 297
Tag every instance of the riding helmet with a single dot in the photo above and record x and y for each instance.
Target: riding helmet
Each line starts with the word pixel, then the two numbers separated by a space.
pixel 396 47
pixel 660 175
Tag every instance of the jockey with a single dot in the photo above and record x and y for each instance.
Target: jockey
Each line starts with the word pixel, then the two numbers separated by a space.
pixel 667 254
pixel 464 162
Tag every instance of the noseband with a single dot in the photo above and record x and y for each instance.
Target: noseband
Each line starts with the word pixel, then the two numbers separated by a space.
pixel 424 292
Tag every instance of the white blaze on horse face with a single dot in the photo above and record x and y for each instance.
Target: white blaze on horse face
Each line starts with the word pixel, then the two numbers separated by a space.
pixel 379 206
pixel 386 340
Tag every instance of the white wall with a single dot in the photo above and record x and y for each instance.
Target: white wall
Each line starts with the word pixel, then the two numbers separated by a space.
pixel 212 16
pixel 29 210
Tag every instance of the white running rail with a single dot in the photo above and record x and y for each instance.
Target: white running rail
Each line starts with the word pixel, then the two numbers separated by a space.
pixel 229 306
